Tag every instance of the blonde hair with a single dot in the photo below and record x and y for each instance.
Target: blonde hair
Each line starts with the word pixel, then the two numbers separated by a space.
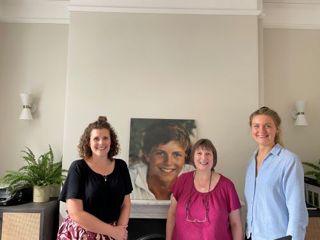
pixel 275 117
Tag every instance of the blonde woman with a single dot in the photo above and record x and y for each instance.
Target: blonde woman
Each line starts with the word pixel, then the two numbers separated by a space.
pixel 274 186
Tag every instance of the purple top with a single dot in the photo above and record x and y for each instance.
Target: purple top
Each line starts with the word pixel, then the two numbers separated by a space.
pixel 203 215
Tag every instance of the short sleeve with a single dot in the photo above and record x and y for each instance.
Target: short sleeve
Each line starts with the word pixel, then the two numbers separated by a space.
pixel 126 177
pixel 180 184
pixel 175 189
pixel 72 187
pixel 233 198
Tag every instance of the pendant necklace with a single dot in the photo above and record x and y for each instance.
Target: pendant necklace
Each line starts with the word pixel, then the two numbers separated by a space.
pixel 105 178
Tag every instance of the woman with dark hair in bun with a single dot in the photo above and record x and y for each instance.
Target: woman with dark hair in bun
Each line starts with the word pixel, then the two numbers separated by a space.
pixel 97 189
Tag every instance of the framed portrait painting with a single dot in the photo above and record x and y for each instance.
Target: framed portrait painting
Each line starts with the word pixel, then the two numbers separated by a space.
pixel 159 151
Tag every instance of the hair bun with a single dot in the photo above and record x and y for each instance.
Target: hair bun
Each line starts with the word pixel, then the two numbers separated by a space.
pixel 102 119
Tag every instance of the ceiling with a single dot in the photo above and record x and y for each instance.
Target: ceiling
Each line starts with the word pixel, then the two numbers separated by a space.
pixel 298 14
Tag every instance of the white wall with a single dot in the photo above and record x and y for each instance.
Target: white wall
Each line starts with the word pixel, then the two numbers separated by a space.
pixel 155 65
pixel 148 65
pixel 165 66
pixel 32 59
pixel 292 60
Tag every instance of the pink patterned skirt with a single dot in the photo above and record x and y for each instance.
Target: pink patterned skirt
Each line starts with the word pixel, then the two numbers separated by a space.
pixel 70 230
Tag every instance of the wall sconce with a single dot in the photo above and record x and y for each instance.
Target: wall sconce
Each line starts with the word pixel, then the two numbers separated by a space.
pixel 298 114
pixel 27 107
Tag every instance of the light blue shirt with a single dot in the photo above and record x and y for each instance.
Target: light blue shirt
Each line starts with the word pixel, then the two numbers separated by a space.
pixel 275 198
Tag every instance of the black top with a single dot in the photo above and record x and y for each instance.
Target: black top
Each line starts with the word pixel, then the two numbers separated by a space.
pixel 102 196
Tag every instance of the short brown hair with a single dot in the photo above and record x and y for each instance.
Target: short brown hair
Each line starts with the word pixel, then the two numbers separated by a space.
pixel 84 144
pixel 158 134
pixel 207 145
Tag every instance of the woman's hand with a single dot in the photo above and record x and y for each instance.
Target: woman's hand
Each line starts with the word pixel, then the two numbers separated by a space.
pixel 120 232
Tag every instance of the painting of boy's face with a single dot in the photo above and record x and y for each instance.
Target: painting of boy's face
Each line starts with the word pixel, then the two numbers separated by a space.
pixel 165 162
pixel 159 152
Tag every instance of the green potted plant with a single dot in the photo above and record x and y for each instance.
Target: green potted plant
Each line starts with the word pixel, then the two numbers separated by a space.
pixel 315 172
pixel 56 176
pixel 39 172
pixel 312 185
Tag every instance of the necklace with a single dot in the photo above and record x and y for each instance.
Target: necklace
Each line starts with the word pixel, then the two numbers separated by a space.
pixel 194 177
pixel 205 202
pixel 105 178
pixel 210 181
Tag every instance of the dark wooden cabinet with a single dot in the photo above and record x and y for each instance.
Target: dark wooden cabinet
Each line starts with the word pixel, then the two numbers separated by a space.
pixel 32 221
pixel 313 228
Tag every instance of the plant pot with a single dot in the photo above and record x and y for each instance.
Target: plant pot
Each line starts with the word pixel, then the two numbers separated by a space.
pixel 54 190
pixel 41 194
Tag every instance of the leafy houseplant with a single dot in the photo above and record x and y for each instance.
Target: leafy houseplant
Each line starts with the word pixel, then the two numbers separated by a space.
pixel 38 172
pixel 315 172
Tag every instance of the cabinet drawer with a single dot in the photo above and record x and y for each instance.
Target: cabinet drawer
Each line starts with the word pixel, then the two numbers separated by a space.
pixel 23 226
pixel 313 229
pixel 30 221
